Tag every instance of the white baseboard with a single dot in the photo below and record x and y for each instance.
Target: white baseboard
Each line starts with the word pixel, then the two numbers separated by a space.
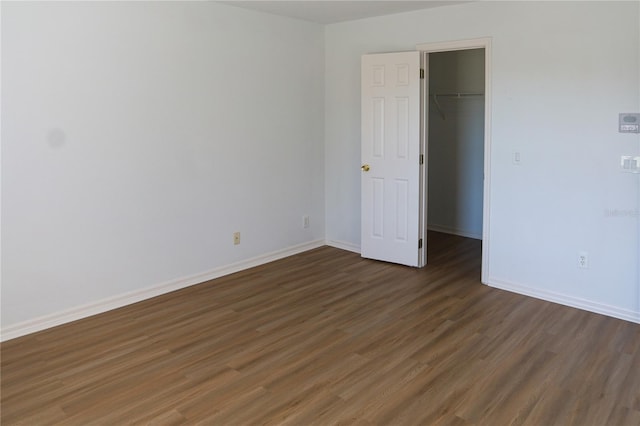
pixel 344 245
pixel 563 299
pixel 104 305
pixel 447 230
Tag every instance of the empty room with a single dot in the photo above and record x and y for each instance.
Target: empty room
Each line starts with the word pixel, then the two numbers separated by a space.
pixel 320 212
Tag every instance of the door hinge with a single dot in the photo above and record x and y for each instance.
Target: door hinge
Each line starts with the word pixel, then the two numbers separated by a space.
pixel 421 159
pixel 420 243
pixel 421 73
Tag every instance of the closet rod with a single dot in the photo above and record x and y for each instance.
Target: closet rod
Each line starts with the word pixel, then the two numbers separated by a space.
pixel 439 108
pixel 457 95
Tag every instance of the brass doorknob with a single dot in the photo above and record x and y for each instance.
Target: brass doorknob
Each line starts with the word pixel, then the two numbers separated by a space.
pixel 365 168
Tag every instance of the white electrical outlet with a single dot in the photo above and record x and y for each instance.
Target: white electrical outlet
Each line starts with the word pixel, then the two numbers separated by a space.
pixel 305 221
pixel 583 260
pixel 236 238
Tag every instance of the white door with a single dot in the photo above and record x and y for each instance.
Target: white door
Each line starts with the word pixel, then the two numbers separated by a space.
pixel 391 163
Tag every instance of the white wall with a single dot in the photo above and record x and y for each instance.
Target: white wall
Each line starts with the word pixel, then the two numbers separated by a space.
pixel 562 71
pixel 137 137
pixel 456 142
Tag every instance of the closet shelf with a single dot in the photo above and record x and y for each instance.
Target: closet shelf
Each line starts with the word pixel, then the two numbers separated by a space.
pixel 435 97
pixel 456 95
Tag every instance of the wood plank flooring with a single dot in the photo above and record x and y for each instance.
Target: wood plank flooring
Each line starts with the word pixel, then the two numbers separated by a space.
pixel 325 337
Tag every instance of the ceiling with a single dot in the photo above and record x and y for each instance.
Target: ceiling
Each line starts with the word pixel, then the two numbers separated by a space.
pixel 332 11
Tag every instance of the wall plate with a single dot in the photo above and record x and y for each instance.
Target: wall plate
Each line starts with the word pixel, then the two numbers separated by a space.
pixel 630 164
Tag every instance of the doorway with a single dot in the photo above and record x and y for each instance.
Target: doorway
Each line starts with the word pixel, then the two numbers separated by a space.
pixel 457 141
pixel 394 184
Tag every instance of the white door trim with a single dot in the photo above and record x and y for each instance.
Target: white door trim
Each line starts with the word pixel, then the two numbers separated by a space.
pixel 424 149
pixel 477 43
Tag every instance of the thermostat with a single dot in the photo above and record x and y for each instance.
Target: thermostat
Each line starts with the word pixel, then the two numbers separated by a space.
pixel 629 123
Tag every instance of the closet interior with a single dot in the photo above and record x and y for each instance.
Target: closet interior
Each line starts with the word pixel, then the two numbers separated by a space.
pixel 456 142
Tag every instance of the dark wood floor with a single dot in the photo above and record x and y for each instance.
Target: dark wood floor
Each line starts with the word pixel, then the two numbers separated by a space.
pixel 326 337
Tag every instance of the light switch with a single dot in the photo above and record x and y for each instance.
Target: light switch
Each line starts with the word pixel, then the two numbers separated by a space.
pixel 630 164
pixel 516 158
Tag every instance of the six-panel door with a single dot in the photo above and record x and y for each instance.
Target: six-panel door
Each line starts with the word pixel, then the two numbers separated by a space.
pixel 390 157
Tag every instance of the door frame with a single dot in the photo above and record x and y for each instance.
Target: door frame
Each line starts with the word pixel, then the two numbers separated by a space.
pixel 446 46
